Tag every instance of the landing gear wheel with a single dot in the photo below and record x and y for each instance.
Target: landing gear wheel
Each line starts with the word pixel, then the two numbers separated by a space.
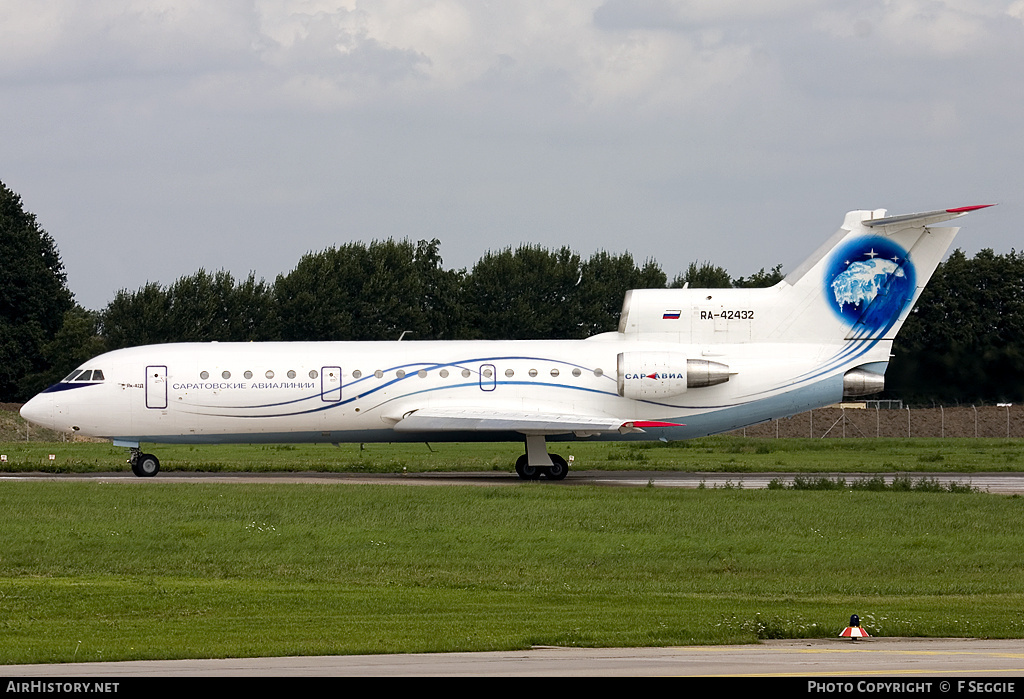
pixel 525 470
pixel 145 465
pixel 558 469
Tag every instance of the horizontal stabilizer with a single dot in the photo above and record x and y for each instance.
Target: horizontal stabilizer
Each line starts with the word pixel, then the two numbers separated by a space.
pixel 923 219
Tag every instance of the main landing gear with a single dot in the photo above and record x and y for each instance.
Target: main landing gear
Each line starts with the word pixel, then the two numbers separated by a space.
pixel 143 465
pixel 537 462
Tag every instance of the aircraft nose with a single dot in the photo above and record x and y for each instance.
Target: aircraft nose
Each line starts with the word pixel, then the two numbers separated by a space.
pixel 39 410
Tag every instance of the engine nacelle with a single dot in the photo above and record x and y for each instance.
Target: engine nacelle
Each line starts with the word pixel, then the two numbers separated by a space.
pixel 861 382
pixel 646 375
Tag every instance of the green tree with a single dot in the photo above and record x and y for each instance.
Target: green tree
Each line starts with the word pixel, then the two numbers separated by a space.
pixel 703 276
pixel 523 294
pixel 138 317
pixel 440 300
pixel 206 307
pixel 77 340
pixel 375 292
pixel 603 285
pixel 33 296
pixel 964 341
pixel 200 307
pixel 760 279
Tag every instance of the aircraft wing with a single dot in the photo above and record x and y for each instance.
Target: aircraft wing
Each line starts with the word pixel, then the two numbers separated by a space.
pixel 471 419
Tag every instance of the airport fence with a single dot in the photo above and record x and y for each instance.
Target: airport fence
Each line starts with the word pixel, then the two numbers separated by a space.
pixel 874 419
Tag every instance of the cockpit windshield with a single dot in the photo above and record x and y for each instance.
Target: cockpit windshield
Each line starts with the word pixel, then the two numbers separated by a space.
pixel 86 375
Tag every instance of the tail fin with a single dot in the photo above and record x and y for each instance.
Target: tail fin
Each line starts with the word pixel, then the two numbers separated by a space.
pixel 859 285
pixel 870 274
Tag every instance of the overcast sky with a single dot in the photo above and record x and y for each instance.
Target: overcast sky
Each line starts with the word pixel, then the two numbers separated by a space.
pixel 153 138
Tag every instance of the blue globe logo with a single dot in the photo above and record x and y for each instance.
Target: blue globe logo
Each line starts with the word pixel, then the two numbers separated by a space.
pixel 869 282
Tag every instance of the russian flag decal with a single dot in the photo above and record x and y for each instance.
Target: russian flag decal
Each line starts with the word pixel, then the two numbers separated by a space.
pixel 670 315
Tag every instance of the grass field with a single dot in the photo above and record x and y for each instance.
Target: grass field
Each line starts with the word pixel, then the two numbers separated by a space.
pixel 723 454
pixel 107 571
pixel 103 571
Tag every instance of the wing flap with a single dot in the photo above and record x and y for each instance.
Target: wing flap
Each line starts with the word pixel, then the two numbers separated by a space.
pixel 489 420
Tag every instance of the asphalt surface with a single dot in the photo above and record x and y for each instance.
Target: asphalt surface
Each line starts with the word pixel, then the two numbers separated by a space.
pixel 916 660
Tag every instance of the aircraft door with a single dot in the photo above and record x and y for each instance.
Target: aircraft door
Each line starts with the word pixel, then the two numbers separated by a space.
pixel 156 387
pixel 488 378
pixel 330 384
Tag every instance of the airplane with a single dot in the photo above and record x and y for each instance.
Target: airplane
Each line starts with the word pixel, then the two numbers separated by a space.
pixel 684 363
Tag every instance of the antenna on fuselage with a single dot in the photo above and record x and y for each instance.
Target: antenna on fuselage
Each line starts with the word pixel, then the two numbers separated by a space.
pixel 404 332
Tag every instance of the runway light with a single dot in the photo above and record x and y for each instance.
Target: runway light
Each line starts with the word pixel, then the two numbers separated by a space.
pixel 854 630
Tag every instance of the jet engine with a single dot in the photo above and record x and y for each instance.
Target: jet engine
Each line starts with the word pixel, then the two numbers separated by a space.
pixel 861 382
pixel 647 375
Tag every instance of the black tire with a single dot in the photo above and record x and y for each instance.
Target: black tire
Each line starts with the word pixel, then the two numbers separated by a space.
pixel 525 470
pixel 146 466
pixel 558 469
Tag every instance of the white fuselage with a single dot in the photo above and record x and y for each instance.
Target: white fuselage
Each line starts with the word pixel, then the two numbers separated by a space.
pixel 360 391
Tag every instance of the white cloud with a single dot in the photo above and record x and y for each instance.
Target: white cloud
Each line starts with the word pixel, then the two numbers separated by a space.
pixel 922 27
pixel 336 54
pixel 576 122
